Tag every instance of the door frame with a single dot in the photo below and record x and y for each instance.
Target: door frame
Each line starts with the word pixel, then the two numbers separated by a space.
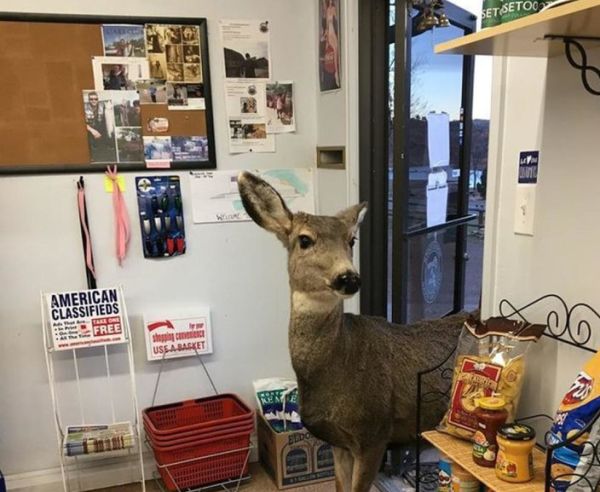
pixel 374 38
pixel 373 155
pixel 400 254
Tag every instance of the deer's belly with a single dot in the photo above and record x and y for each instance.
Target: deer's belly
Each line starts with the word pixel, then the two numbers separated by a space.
pixel 342 423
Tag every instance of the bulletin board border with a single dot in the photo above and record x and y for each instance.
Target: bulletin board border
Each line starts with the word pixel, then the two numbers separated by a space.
pixel 86 168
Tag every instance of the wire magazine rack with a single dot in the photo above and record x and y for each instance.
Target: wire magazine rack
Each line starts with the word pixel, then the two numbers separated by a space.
pixel 67 463
pixel 232 484
pixel 564 324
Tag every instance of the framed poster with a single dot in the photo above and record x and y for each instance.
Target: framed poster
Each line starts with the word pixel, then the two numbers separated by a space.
pixel 330 45
pixel 89 88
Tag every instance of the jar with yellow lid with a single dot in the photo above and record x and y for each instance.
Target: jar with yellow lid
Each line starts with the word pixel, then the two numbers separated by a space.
pixel 515 453
pixel 491 415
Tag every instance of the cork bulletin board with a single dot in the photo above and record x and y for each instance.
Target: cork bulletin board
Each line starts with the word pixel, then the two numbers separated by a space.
pixel 46 63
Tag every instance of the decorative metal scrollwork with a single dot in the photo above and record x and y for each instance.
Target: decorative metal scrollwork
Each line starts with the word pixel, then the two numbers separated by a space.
pixel 573 45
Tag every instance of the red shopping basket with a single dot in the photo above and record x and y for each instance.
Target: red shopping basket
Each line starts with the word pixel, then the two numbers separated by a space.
pixel 196 415
pixel 204 461
pixel 191 436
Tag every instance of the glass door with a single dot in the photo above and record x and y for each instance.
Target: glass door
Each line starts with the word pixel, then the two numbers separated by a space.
pixel 430 111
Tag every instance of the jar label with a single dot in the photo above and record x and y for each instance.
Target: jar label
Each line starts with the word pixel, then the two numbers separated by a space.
pixel 506 467
pixel 482 449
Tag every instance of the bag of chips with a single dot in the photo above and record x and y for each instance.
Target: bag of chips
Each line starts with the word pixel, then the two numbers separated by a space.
pixel 278 401
pixel 577 410
pixel 490 361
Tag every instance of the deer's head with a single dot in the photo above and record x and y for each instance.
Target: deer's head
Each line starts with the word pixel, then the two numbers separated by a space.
pixel 319 247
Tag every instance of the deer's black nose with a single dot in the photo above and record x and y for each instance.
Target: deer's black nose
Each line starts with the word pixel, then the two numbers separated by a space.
pixel 347 283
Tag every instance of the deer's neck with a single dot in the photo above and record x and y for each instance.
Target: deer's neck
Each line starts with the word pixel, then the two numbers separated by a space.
pixel 315 331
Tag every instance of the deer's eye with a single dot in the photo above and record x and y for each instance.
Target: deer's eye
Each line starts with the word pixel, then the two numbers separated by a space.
pixel 352 242
pixel 305 241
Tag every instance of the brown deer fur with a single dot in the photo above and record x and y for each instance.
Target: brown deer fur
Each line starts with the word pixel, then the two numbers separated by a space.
pixel 357 375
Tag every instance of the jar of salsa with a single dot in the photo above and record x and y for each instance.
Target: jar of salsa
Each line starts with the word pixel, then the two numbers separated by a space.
pixel 491 415
pixel 515 453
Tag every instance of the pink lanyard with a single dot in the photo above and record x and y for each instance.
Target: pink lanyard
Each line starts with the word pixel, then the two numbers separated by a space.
pixel 89 260
pixel 121 216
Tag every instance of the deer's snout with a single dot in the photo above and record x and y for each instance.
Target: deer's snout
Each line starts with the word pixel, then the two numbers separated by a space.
pixel 347 283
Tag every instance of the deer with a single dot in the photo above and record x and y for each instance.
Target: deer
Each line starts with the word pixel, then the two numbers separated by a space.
pixel 357 374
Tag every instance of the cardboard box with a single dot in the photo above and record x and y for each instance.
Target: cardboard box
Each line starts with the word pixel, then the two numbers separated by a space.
pixel 293 458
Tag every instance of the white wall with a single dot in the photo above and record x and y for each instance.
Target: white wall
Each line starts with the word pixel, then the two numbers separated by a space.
pixel 542 105
pixel 236 269
pixel 333 116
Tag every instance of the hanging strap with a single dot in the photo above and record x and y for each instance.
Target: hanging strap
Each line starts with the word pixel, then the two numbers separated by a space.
pixel 89 259
pixel 122 229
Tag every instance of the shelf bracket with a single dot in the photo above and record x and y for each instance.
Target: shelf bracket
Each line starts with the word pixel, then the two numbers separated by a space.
pixel 572 43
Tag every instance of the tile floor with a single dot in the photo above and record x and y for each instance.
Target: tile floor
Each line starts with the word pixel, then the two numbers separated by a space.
pixel 260 482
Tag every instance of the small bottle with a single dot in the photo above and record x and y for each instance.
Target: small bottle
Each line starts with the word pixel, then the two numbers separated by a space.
pixel 491 13
pixel 463 481
pixel 445 474
pixel 491 415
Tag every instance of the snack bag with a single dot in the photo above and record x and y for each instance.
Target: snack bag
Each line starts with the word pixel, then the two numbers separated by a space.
pixel 490 361
pixel 278 401
pixel 577 410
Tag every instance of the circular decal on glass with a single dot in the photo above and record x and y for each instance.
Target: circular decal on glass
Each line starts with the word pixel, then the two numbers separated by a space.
pixel 431 272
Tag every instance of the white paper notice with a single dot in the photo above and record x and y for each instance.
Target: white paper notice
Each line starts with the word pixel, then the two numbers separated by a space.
pixel 246 113
pixel 246 100
pixel 438 139
pixel 215 196
pixel 247 49
pixel 249 136
pixel 437 198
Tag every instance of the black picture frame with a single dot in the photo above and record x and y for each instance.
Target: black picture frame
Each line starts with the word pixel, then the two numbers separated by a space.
pixel 85 168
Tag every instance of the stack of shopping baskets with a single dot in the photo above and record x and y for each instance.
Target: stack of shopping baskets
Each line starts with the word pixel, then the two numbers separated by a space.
pixel 200 442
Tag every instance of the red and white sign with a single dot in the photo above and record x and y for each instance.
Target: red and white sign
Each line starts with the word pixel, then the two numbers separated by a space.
pixel 85 318
pixel 170 337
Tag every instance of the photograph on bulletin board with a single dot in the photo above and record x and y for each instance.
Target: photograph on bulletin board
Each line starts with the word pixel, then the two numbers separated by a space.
pixel 101 90
pixel 329 45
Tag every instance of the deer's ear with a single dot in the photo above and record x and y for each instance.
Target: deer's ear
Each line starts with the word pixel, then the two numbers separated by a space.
pixel 354 215
pixel 265 205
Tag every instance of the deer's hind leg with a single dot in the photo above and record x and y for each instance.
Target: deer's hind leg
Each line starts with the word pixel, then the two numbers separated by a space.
pixel 344 463
pixel 366 466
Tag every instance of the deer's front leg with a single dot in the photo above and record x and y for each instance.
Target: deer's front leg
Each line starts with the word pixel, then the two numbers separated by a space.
pixel 366 466
pixel 344 463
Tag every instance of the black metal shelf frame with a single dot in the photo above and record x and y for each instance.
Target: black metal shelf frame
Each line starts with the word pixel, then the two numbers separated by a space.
pixel 572 43
pixel 564 324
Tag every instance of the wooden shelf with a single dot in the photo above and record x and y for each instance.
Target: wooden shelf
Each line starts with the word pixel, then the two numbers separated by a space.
pixel 525 36
pixel 461 452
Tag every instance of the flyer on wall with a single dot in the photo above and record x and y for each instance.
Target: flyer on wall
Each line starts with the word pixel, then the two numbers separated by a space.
pixel 85 318
pixel 247 49
pixel 246 100
pixel 280 107
pixel 246 113
pixel 215 196
pixel 329 45
pixel 249 136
